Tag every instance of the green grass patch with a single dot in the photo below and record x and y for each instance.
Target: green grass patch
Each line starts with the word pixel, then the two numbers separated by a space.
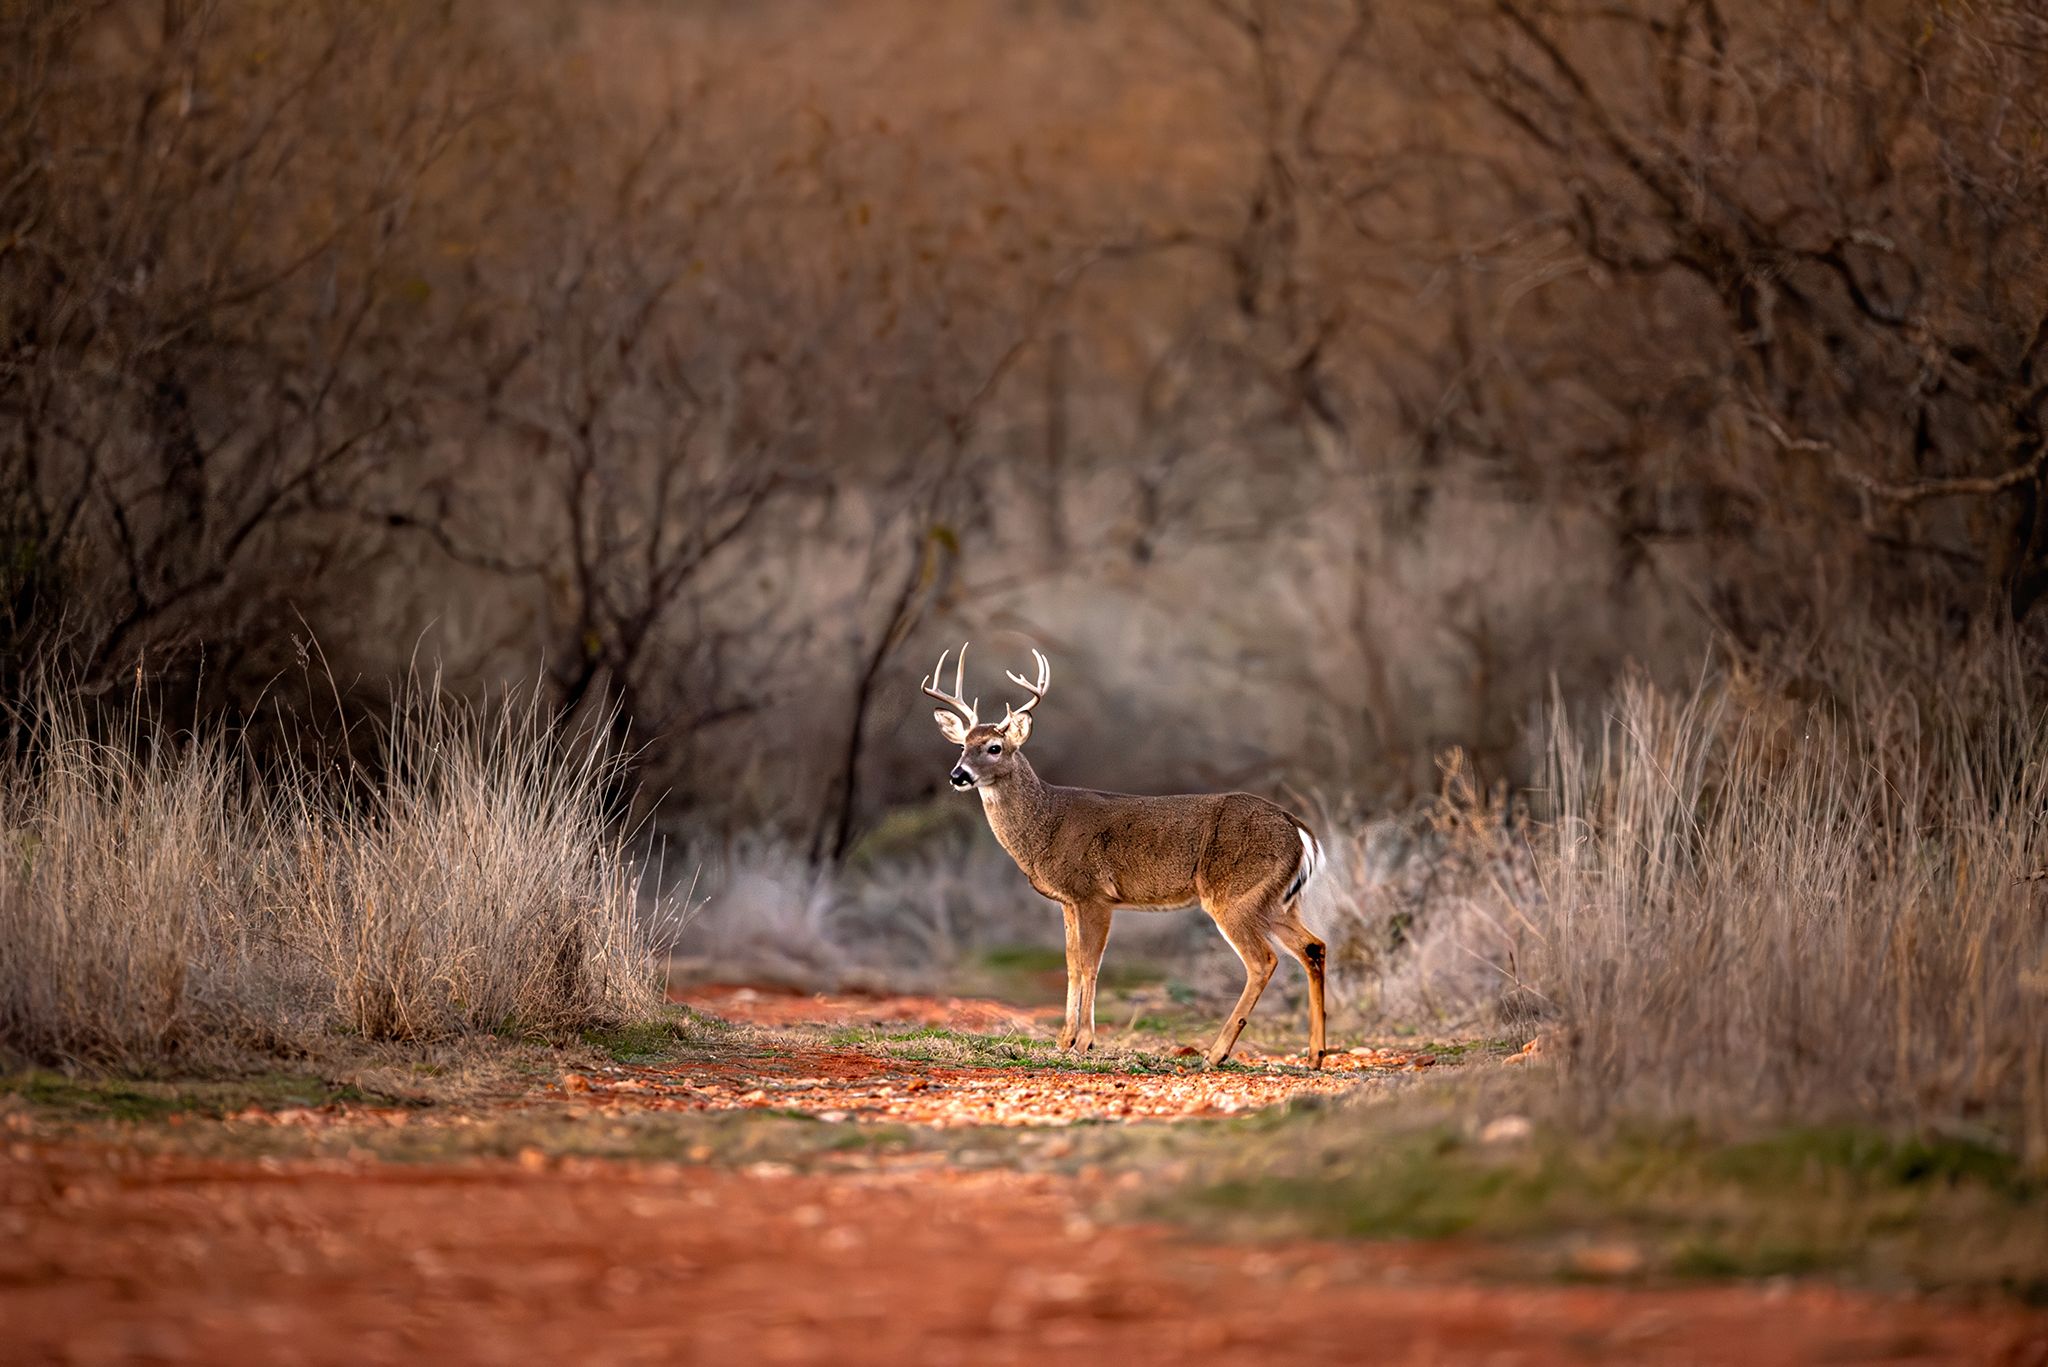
pixel 1711 1260
pixel 1873 1159
pixel 677 1030
pixel 141 1101
pixel 1024 959
pixel 1462 1050
pixel 1425 1187
pixel 1889 1209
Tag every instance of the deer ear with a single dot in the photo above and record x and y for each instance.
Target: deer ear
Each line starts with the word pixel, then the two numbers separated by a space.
pixel 1017 728
pixel 950 726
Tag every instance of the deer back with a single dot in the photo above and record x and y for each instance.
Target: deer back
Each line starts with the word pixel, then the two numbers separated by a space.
pixel 1080 845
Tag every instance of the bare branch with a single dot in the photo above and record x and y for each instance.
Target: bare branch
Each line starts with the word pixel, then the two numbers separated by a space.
pixel 1912 491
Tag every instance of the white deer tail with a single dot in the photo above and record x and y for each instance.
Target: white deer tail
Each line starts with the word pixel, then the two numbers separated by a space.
pixel 1312 862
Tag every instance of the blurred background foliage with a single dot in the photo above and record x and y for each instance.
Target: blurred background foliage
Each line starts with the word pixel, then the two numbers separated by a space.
pixel 1318 383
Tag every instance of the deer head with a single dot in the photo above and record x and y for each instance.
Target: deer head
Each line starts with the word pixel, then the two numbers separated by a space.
pixel 987 750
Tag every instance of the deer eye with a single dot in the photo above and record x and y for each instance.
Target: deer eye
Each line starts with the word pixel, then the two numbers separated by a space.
pixel 995 748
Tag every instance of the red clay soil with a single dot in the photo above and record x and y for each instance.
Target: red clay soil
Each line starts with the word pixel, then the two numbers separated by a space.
pixel 845 1085
pixel 852 1085
pixel 111 1256
pixel 855 1085
pixel 769 1006
pixel 947 1097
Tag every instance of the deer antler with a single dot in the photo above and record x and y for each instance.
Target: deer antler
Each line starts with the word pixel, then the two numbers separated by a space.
pixel 1036 690
pixel 952 700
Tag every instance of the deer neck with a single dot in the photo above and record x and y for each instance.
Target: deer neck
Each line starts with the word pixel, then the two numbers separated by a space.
pixel 1020 811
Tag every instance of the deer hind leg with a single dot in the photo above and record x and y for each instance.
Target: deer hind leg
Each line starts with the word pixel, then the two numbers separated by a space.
pixel 1245 927
pixel 1297 939
pixel 1087 935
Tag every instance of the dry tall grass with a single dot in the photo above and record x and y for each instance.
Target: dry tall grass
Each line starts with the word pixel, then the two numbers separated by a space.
pixel 1810 900
pixel 1798 892
pixel 1412 903
pixel 908 917
pixel 154 905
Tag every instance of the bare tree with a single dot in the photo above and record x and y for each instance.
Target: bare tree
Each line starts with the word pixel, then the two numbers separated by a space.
pixel 1771 278
pixel 201 298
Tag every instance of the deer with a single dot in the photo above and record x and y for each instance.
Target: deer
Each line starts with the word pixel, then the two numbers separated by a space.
pixel 1244 859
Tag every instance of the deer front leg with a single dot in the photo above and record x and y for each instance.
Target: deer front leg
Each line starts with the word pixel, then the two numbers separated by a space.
pixel 1094 938
pixel 1087 934
pixel 1072 1029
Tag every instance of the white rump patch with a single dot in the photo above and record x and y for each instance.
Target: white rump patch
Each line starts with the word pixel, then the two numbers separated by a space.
pixel 1311 864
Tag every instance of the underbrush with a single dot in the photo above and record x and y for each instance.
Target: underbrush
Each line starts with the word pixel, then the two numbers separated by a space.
pixel 1809 893
pixel 1807 898
pixel 159 904
pixel 1410 906
pixel 947 909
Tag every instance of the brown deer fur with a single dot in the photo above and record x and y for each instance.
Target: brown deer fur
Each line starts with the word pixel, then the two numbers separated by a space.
pixel 1242 858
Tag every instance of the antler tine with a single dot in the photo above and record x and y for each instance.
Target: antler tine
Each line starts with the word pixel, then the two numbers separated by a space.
pixel 952 700
pixel 1036 690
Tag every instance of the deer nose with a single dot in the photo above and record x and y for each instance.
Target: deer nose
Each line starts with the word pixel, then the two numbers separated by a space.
pixel 962 779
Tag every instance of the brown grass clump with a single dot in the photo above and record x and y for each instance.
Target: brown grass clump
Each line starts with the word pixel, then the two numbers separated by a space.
pixel 155 906
pixel 133 917
pixel 1808 896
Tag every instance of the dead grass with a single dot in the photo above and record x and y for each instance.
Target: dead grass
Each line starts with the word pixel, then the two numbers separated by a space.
pixel 1805 896
pixel 1411 905
pixel 156 905
pixel 478 886
pixel 916 911
pixel 1800 892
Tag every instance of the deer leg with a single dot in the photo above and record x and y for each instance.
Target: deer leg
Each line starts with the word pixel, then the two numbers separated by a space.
pixel 1071 914
pixel 1247 938
pixel 1094 938
pixel 1302 943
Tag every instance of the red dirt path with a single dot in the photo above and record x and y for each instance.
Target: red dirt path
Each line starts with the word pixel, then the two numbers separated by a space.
pixel 851 1085
pixel 113 1257
pixel 768 1006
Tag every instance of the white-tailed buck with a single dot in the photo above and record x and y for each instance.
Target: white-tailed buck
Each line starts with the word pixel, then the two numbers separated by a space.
pixel 1244 859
